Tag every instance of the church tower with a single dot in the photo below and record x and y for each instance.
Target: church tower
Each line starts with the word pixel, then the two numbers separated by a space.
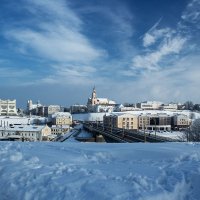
pixel 94 97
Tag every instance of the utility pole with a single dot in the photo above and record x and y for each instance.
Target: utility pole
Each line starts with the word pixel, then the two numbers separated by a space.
pixel 144 125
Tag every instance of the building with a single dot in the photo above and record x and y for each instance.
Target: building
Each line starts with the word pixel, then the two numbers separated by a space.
pixel 33 108
pixel 59 130
pixel 51 109
pixel 8 107
pixel 170 106
pixel 160 122
pixel 18 120
pixel 122 108
pixel 95 104
pixel 125 121
pixel 26 132
pixel 150 105
pixel 78 109
pixel 61 118
pixel 180 121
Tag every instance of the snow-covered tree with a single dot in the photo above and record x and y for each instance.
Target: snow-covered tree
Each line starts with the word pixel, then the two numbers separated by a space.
pixel 193 133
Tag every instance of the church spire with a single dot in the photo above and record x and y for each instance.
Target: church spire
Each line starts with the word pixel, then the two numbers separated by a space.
pixel 94 96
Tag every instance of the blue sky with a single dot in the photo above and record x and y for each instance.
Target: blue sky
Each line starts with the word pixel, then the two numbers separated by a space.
pixel 131 50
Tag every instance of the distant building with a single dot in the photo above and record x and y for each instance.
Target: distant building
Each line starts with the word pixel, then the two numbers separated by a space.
pixel 170 106
pixel 61 118
pixel 27 132
pixel 8 107
pixel 33 108
pixel 180 121
pixel 95 104
pixel 150 105
pixel 122 108
pixel 59 129
pixel 18 120
pixel 161 122
pixel 78 108
pixel 51 109
pixel 125 121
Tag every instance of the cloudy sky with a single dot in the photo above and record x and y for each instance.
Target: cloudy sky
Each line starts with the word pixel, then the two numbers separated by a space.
pixel 131 50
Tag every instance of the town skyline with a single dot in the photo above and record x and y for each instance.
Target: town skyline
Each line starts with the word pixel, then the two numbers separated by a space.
pixel 132 51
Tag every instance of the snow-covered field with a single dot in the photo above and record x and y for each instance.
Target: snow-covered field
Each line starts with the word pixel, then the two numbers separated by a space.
pixel 47 170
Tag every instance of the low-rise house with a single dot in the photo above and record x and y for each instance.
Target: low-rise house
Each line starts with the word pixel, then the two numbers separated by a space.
pixel 26 132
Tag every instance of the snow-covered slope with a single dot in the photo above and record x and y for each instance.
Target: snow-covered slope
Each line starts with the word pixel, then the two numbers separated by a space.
pixel 167 171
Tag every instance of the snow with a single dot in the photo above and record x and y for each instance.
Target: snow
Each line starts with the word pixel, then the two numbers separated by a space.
pixel 139 171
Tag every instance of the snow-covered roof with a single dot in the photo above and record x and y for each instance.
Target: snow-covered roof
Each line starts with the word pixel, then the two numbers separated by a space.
pixel 61 114
pixel 27 128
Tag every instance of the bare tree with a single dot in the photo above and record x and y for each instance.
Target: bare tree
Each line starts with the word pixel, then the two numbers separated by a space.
pixel 193 132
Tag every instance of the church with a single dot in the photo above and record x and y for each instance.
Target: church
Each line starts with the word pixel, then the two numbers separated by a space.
pixel 95 104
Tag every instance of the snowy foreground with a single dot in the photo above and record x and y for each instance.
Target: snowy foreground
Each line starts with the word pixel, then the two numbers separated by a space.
pixel 165 171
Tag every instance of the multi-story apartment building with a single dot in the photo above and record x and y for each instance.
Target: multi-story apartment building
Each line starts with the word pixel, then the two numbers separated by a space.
pixel 161 122
pixel 51 109
pixel 8 107
pixel 125 121
pixel 180 121
pixel 61 118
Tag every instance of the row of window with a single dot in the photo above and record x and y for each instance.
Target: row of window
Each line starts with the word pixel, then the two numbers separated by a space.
pixel 127 119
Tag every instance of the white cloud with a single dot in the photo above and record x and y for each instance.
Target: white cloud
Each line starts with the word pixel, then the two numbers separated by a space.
pixel 192 12
pixel 155 34
pixel 56 34
pixel 150 61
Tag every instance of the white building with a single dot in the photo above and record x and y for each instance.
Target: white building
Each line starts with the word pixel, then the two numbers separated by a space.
pixel 17 120
pixel 170 106
pixel 8 107
pixel 61 118
pixel 95 104
pixel 51 109
pixel 150 105
pixel 27 132
pixel 122 108
pixel 180 121
pixel 33 108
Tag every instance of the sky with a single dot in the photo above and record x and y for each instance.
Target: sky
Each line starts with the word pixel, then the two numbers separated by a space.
pixel 130 50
